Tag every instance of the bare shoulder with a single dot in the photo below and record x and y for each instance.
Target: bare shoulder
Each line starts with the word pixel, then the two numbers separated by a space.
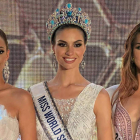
pixel 20 96
pixel 103 100
pixel 103 95
pixel 19 92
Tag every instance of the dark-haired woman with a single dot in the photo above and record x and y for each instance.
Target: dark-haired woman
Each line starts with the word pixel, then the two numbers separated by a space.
pixel 17 114
pixel 69 106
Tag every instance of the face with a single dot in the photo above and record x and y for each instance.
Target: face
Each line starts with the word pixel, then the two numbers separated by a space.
pixel 69 48
pixel 136 52
pixel 4 54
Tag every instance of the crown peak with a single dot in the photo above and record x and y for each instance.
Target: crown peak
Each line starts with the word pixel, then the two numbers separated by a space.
pixel 68 15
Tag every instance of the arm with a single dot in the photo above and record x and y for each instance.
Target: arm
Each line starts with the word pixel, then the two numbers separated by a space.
pixel 102 110
pixel 27 118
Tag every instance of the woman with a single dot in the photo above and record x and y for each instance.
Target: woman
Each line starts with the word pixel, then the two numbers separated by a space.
pixel 66 106
pixel 126 97
pixel 17 113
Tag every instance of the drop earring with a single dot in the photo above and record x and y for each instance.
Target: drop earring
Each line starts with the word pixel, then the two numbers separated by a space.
pixel 6 72
pixel 54 62
pixel 83 63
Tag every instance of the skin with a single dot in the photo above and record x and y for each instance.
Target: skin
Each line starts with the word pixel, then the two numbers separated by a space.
pixel 132 103
pixel 17 102
pixel 69 45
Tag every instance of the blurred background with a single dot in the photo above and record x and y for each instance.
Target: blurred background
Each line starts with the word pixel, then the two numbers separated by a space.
pixel 30 52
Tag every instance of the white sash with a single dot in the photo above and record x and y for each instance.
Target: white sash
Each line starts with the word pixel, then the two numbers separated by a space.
pixel 48 114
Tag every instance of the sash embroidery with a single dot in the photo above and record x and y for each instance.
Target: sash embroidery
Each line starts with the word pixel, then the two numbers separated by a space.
pixel 48 114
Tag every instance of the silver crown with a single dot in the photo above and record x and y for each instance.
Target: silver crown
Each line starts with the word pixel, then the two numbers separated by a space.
pixel 68 15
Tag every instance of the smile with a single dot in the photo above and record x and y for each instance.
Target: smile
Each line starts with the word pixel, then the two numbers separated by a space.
pixel 69 60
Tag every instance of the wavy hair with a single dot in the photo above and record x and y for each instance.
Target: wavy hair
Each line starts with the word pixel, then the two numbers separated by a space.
pixel 129 82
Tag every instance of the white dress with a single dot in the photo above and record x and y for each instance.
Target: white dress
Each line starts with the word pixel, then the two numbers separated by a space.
pixel 9 127
pixel 77 114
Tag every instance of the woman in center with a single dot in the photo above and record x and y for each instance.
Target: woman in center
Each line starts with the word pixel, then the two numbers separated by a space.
pixel 69 106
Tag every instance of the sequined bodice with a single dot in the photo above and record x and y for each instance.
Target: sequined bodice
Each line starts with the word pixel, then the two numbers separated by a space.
pixel 77 114
pixel 123 124
pixel 64 107
pixel 9 127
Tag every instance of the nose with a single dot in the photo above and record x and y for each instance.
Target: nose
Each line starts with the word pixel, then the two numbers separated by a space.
pixel 70 51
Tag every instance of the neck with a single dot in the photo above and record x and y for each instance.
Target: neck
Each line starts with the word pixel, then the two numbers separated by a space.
pixel 68 77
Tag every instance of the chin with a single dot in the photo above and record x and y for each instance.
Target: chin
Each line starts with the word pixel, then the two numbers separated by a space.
pixel 66 67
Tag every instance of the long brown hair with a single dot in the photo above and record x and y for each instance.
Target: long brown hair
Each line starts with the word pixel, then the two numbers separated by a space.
pixel 129 82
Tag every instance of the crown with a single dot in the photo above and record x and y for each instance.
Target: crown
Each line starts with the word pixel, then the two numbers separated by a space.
pixel 68 15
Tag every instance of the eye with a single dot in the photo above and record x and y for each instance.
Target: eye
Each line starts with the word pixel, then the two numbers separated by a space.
pixel 78 45
pixel 62 44
pixel 1 51
pixel 138 47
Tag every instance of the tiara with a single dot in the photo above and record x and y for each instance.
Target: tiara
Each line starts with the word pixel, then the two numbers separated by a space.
pixel 68 15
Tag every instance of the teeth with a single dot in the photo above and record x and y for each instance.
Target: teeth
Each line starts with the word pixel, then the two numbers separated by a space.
pixel 69 59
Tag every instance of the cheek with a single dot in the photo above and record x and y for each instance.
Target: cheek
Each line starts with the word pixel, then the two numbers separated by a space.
pixel 137 58
pixel 136 55
pixel 80 53
pixel 59 52
pixel 2 58
pixel 2 64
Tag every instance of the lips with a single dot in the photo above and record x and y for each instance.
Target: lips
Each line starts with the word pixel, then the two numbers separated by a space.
pixel 69 60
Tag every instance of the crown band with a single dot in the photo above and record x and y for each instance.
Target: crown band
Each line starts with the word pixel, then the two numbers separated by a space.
pixel 68 15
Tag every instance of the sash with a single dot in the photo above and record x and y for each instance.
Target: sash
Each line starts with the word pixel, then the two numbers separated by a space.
pixel 48 114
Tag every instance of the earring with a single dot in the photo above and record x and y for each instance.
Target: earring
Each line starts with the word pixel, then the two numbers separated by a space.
pixel 6 72
pixel 83 63
pixel 132 60
pixel 54 60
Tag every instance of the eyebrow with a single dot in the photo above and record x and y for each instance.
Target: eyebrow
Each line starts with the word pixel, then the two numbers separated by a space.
pixel 136 43
pixel 62 41
pixel 1 47
pixel 66 42
pixel 77 41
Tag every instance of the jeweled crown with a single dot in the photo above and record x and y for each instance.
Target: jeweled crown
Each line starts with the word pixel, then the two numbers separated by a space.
pixel 68 15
